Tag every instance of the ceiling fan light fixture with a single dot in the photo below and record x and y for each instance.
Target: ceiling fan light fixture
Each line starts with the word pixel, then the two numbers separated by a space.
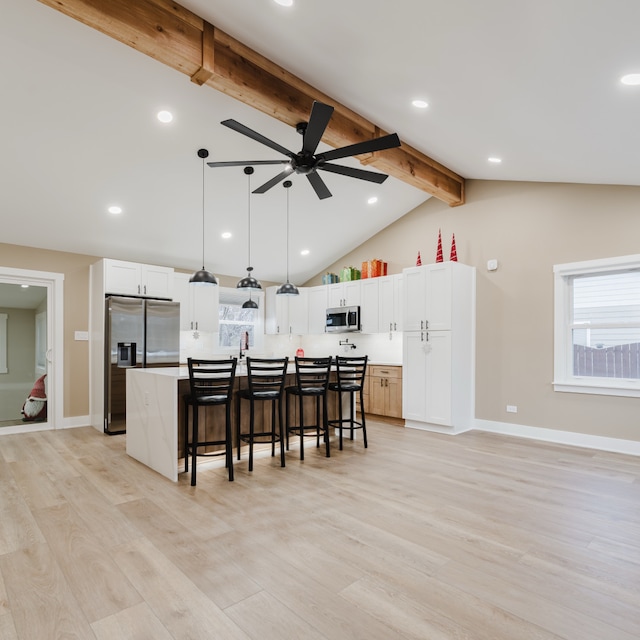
pixel 203 276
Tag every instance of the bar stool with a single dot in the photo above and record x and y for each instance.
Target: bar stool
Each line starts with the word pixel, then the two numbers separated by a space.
pixel 312 381
pixel 350 372
pixel 266 378
pixel 211 384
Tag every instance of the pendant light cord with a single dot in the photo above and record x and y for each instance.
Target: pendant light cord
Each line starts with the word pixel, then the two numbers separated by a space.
pixel 287 189
pixel 249 215
pixel 203 214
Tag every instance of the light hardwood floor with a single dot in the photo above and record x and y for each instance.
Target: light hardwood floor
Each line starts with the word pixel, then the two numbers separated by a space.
pixel 421 536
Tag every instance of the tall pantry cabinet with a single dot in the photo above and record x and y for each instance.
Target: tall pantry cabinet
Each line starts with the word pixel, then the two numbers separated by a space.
pixel 439 347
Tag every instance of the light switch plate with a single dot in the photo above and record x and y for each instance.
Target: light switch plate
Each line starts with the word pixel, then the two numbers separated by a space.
pixel 492 265
pixel 81 335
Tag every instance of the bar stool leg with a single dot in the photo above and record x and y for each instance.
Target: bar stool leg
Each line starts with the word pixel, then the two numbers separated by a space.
pixel 281 430
pixel 194 444
pixel 301 420
pixel 186 436
pixel 364 425
pixel 229 444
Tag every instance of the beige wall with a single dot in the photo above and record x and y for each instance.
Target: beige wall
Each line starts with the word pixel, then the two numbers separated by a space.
pixel 527 227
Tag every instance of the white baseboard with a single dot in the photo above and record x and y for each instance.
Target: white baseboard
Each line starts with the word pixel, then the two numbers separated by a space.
pixel 76 421
pixel 630 447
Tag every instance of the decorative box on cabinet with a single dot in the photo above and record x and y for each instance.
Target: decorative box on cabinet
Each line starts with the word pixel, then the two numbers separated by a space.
pixel 198 304
pixel 134 279
pixel 439 347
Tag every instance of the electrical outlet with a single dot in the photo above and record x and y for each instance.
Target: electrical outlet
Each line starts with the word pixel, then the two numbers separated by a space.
pixel 511 408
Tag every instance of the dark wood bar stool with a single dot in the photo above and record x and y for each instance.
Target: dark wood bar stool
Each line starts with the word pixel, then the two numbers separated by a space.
pixel 265 379
pixel 350 373
pixel 312 381
pixel 211 384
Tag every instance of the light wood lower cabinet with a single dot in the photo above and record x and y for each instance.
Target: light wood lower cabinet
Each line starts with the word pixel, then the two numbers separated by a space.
pixel 383 391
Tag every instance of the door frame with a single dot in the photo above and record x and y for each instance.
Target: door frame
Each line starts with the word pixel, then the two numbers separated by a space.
pixel 54 283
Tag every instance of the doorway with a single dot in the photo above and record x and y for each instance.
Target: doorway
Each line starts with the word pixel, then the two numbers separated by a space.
pixel 31 348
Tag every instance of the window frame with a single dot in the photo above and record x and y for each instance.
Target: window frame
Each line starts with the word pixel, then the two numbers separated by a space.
pixel 258 333
pixel 564 380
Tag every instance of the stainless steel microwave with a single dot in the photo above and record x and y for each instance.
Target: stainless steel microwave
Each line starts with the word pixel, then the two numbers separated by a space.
pixel 343 319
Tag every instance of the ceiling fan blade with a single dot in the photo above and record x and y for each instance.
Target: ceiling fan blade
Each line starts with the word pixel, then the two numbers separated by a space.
pixel 318 120
pixel 352 172
pixel 274 181
pixel 258 137
pixel 368 146
pixel 245 163
pixel 318 185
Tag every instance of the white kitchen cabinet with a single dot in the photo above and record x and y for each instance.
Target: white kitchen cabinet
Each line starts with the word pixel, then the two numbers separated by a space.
pixel 286 314
pixel 317 305
pixel 369 305
pixel 391 302
pixel 439 363
pixel 344 294
pixel 428 295
pixel 198 304
pixel 135 279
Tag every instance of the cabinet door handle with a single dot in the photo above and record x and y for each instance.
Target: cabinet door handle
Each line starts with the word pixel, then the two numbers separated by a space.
pixel 381 382
pixel 196 326
pixel 427 336
pixel 426 324
pixel 145 289
pixel 138 289
pixel 395 328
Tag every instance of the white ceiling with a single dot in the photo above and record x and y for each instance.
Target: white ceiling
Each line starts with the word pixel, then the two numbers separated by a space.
pixel 535 83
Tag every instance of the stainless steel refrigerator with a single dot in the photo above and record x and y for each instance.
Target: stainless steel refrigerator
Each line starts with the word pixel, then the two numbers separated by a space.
pixel 138 333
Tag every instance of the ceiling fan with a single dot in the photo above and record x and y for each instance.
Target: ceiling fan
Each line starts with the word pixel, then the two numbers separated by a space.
pixel 307 162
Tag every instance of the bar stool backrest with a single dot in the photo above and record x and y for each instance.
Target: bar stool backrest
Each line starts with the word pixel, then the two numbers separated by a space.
pixel 312 374
pixel 211 380
pixel 266 376
pixel 350 372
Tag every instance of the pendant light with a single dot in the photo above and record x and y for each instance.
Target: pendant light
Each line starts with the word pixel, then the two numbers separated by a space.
pixel 287 289
pixel 203 276
pixel 249 283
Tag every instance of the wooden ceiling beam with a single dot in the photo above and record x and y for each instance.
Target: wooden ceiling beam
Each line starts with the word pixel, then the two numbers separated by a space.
pixel 184 41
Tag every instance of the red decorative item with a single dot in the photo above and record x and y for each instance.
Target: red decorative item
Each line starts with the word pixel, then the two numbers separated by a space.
pixel 419 260
pixel 439 257
pixel 454 253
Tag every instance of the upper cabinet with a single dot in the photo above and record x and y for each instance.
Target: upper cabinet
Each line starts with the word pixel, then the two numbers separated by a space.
pixel 286 314
pixel 428 296
pixel 198 304
pixel 135 279
pixel 344 294
pixel 369 305
pixel 317 304
pixel 390 303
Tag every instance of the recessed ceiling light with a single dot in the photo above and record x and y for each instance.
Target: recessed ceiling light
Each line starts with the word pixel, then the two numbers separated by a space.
pixel 165 116
pixel 284 3
pixel 420 104
pixel 372 200
pixel 226 235
pixel 24 286
pixel 115 209
pixel 494 160
pixel 304 252
pixel 631 78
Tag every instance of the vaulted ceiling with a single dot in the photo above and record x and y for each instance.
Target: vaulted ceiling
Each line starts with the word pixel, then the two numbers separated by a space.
pixel 535 84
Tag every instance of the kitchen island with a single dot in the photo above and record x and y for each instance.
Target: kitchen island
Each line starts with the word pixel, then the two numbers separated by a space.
pixel 155 414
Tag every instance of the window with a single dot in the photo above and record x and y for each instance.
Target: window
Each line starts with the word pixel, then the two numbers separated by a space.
pixel 597 326
pixel 234 320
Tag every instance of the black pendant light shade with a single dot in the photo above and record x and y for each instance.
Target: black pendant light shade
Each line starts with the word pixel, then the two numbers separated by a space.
pixel 287 289
pixel 250 304
pixel 203 276
pixel 249 283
